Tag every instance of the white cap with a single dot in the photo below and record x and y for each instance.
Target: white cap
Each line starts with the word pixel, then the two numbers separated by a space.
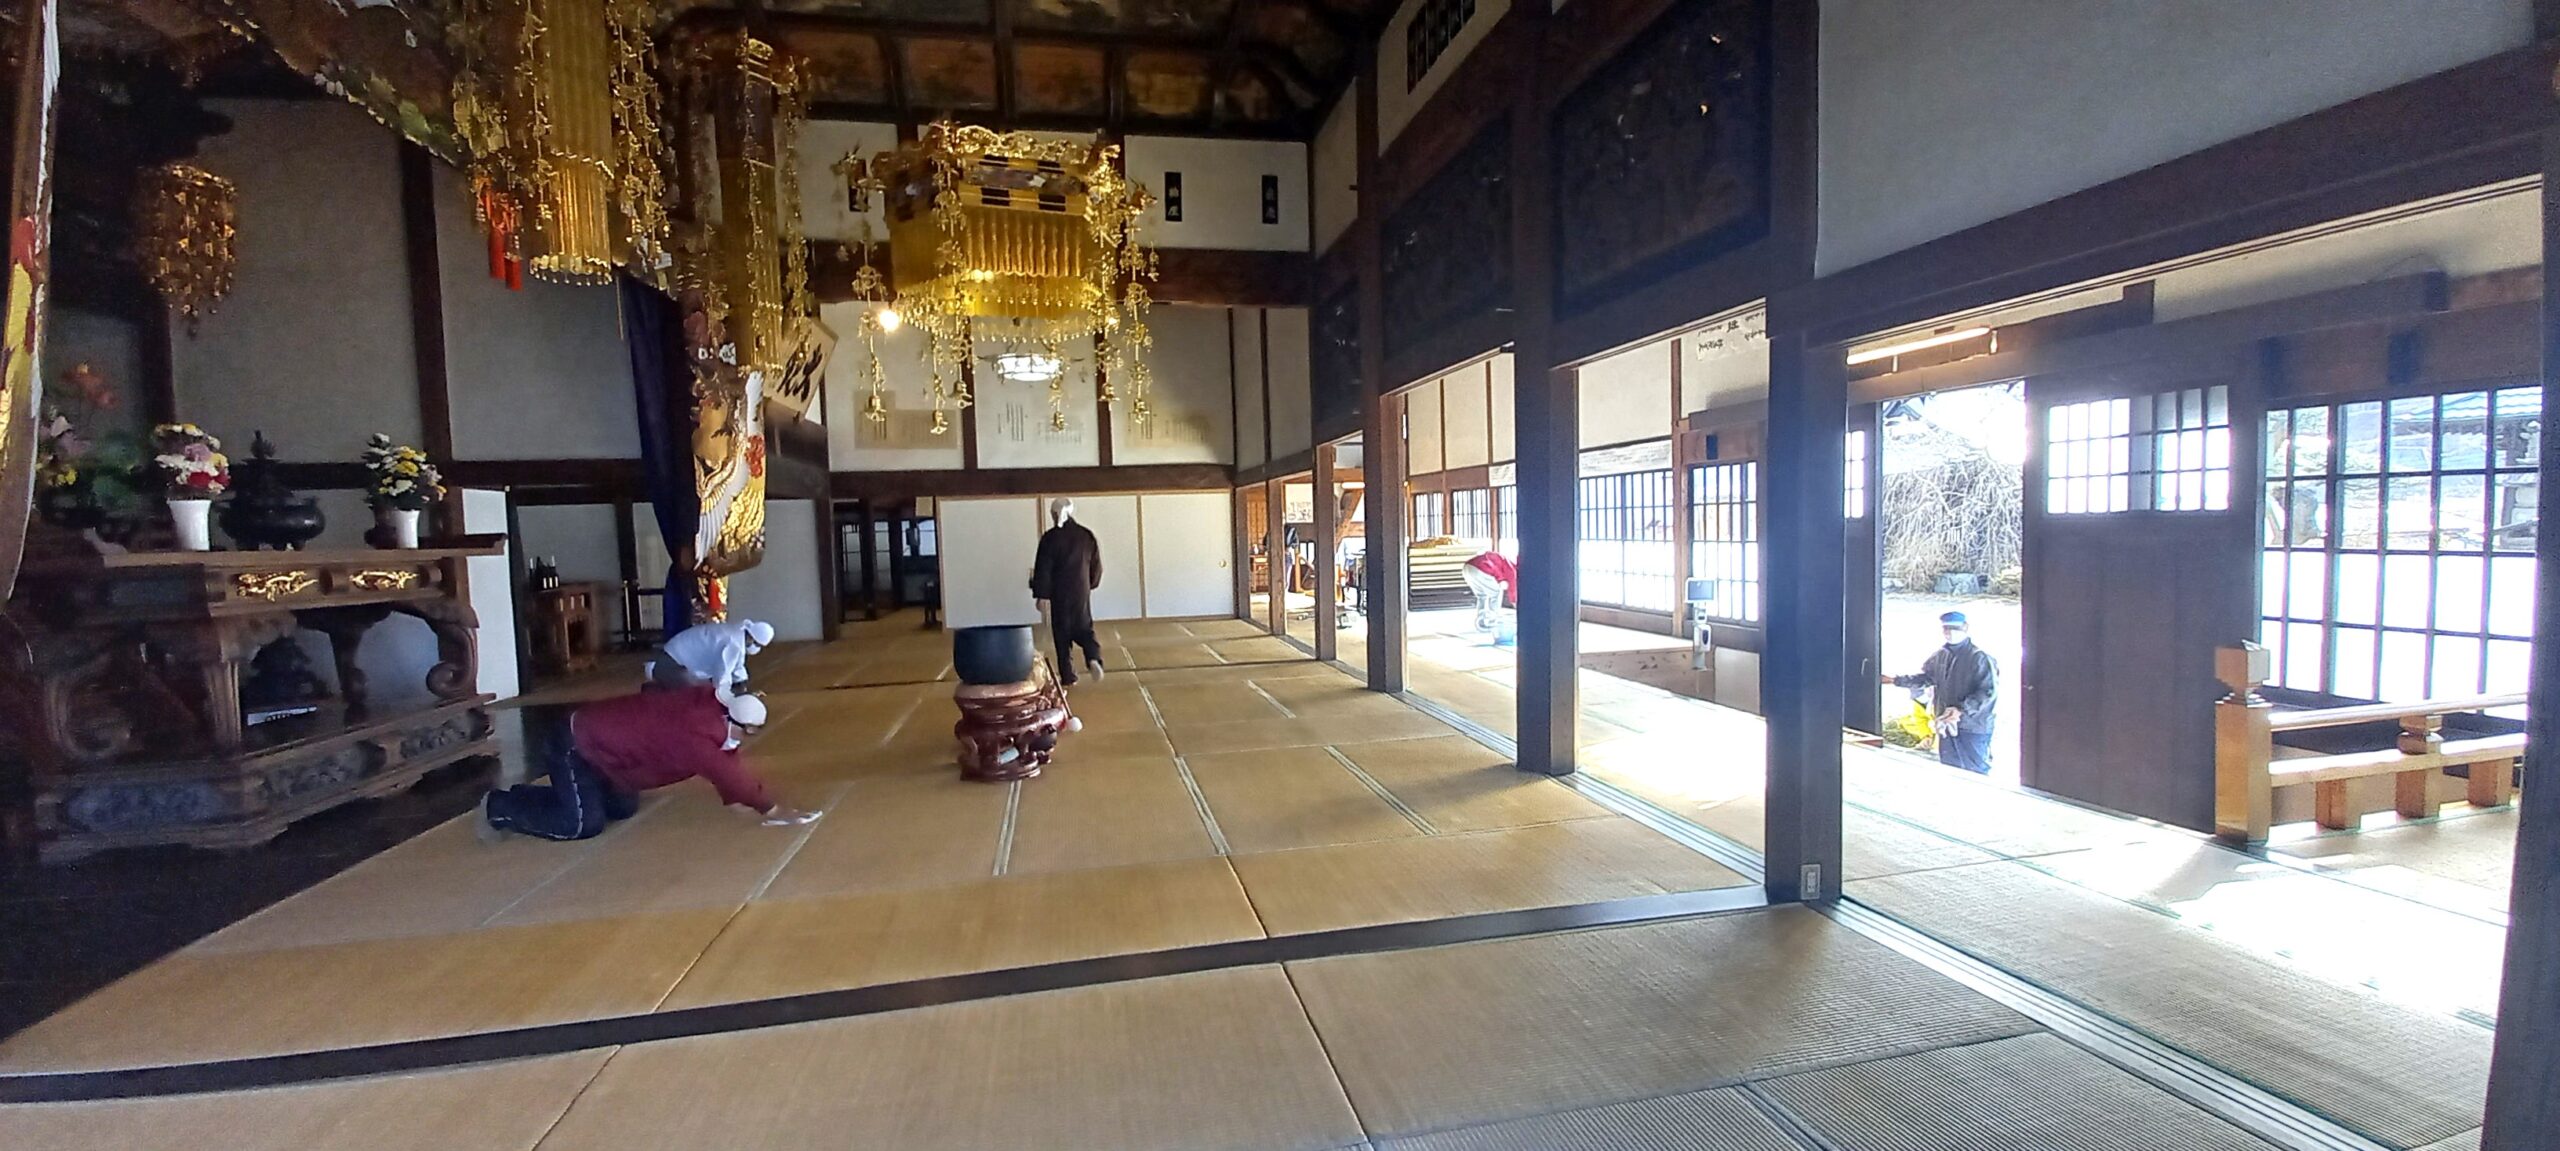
pixel 746 711
pixel 759 633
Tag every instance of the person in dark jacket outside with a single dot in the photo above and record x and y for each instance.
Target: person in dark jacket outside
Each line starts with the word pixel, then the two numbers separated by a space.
pixel 614 749
pixel 1063 576
pixel 1964 683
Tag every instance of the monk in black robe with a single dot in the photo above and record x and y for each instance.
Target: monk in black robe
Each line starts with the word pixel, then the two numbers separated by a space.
pixel 1063 576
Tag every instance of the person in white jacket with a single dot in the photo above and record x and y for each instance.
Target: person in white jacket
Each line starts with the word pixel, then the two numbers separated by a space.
pixel 712 653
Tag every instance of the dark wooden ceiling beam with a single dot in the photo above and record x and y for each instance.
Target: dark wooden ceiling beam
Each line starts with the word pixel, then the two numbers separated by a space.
pixel 1222 67
pixel 1002 17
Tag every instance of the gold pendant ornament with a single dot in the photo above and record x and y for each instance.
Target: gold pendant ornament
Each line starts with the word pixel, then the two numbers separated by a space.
pixel 186 221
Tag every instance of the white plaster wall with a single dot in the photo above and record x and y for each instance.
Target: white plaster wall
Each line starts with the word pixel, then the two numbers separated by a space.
pixel 535 374
pixel 1113 520
pixel 1245 327
pixel 1013 419
pixel 987 547
pixel 783 590
pixel 1292 420
pixel 1422 429
pixel 1193 394
pixel 1399 98
pixel 492 594
pixel 1627 396
pixel 825 211
pixel 313 342
pixel 1503 400
pixel 1937 117
pixel 1184 578
pixel 1334 167
pixel 2477 233
pixel 1466 433
pixel 1222 191
pixel 853 444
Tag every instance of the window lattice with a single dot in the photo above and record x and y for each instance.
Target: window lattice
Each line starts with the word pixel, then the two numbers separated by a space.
pixel 1471 514
pixel 1430 515
pixel 1626 540
pixel 1853 487
pixel 2169 452
pixel 2397 548
pixel 1435 26
pixel 1724 537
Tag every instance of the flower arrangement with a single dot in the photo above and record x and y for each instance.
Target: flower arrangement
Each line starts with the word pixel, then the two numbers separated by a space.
pixel 189 461
pixel 401 477
pixel 86 480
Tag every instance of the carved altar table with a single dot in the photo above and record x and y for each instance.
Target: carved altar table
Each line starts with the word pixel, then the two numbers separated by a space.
pixel 123 691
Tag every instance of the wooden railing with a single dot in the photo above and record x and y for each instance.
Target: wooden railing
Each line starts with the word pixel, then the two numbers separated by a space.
pixel 2247 773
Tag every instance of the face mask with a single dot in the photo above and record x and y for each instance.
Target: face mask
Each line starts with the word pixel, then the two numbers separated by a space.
pixel 1956 638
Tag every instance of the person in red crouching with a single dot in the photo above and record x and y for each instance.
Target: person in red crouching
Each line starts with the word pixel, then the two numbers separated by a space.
pixel 617 748
pixel 1495 580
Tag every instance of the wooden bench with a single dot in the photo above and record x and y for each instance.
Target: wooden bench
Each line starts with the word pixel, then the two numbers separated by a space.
pixel 2247 771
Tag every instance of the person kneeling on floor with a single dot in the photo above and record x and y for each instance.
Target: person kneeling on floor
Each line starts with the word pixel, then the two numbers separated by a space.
pixel 617 748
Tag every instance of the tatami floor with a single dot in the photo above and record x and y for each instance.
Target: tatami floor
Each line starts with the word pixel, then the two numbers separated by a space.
pixel 2355 973
pixel 1225 791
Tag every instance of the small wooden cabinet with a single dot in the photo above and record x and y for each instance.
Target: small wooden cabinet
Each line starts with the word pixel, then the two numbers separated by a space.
pixel 126 722
pixel 568 627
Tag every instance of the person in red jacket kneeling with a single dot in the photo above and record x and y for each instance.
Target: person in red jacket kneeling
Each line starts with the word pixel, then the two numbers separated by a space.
pixel 617 748
pixel 1495 580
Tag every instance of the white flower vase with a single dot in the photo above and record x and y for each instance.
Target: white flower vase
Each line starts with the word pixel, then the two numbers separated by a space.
pixel 195 524
pixel 404 527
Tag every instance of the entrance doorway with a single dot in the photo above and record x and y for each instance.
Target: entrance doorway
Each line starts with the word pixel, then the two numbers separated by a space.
pixel 1950 527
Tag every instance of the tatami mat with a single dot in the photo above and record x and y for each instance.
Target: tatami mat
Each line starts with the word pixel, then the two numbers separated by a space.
pixel 1293 797
pixel 793 947
pixel 2405 1077
pixel 1446 1037
pixel 1105 814
pixel 1457 784
pixel 1720 1120
pixel 887 834
pixel 191 1008
pixel 1401 880
pixel 494 1107
pixel 1218 1060
pixel 443 881
pixel 695 853
pixel 2030 1093
pixel 1195 705
pixel 2465 862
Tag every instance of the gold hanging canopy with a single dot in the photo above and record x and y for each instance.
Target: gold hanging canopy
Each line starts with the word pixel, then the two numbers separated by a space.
pixel 1011 247
pixel 556 103
pixel 185 221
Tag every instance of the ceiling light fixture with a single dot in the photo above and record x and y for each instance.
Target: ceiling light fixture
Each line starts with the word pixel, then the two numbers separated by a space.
pixel 1941 339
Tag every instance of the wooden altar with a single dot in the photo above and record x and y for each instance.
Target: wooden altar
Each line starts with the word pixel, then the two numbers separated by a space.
pixel 124 693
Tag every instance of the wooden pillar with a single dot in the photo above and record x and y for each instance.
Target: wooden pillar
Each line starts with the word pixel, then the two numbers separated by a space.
pixel 1242 530
pixel 1328 508
pixel 1547 433
pixel 870 563
pixel 2524 1071
pixel 426 324
pixel 1802 662
pixel 830 569
pixel 1275 533
pixel 1382 463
